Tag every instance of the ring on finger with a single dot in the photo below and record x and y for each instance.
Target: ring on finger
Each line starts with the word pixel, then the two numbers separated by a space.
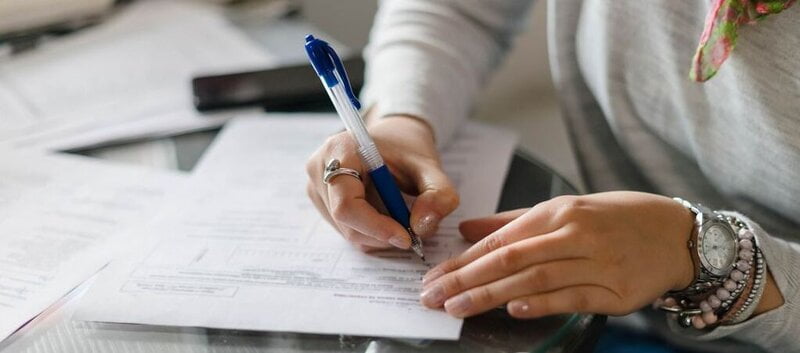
pixel 333 169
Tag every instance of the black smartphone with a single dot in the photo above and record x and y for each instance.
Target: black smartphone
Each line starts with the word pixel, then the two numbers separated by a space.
pixel 281 89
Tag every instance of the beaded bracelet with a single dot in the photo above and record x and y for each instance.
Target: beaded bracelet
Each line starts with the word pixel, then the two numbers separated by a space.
pixel 753 297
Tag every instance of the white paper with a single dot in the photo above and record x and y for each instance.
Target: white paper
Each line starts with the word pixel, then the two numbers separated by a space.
pixel 245 248
pixel 138 64
pixel 60 220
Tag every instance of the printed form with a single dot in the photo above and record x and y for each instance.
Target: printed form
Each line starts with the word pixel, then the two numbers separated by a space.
pixel 246 249
pixel 61 218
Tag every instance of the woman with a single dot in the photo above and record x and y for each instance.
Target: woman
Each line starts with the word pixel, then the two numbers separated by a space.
pixel 625 71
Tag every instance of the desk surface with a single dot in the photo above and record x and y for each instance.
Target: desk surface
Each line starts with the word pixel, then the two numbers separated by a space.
pixel 526 184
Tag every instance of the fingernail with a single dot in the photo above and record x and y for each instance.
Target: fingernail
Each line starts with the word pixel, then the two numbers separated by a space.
pixel 458 305
pixel 432 275
pixel 427 224
pixel 400 241
pixel 432 297
pixel 518 307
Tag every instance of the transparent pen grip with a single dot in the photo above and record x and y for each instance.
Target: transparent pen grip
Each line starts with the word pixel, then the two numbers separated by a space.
pixel 355 125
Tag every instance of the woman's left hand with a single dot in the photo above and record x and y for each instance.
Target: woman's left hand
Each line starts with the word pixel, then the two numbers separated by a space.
pixel 609 253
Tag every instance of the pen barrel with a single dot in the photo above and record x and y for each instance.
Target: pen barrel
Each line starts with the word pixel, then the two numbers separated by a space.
pixel 355 126
pixel 390 195
pixel 370 157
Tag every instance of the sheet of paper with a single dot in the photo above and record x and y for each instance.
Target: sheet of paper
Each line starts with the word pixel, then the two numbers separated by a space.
pixel 245 248
pixel 137 64
pixel 61 220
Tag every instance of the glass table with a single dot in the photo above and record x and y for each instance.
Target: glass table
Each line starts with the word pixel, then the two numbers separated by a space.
pixel 528 182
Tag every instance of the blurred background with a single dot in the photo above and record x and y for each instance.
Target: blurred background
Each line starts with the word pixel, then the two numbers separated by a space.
pixel 520 95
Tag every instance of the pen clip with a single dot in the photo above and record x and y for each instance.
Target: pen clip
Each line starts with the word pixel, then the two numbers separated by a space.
pixel 327 63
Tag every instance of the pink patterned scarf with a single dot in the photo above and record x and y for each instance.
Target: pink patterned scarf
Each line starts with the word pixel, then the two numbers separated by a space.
pixel 720 33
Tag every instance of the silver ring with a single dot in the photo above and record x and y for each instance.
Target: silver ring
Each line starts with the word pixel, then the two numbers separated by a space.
pixel 333 169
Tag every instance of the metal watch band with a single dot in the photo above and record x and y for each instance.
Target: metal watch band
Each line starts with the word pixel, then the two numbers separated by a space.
pixel 703 280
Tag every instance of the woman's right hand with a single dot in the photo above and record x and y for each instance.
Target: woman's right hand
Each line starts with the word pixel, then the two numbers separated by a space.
pixel 351 206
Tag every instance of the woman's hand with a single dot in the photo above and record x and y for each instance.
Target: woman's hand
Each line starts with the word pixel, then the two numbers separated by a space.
pixel 609 253
pixel 408 149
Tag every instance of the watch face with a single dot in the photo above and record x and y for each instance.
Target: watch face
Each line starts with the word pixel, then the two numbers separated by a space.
pixel 718 248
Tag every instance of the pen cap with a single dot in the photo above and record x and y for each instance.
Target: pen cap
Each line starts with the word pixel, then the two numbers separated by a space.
pixel 334 77
pixel 329 66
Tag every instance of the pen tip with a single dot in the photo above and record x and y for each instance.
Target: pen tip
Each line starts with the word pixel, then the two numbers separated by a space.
pixel 418 250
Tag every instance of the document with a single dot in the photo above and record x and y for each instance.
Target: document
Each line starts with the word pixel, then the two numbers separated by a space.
pixel 62 218
pixel 133 70
pixel 246 249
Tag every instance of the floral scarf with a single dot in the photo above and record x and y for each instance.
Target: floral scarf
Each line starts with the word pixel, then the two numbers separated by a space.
pixel 720 33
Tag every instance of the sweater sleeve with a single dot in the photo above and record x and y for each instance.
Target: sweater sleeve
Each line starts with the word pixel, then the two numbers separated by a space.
pixel 776 330
pixel 429 58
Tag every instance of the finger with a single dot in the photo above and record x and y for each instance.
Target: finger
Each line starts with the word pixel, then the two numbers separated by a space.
pixel 530 224
pixel 348 207
pixel 358 238
pixel 575 299
pixel 437 198
pixel 496 265
pixel 364 242
pixel 361 241
pixel 320 205
pixel 478 228
pixel 368 249
pixel 316 188
pixel 535 279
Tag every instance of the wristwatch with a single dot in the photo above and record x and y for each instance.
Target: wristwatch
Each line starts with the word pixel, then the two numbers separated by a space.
pixel 714 248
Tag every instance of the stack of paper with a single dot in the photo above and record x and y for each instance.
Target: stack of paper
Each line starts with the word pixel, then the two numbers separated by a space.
pixel 128 77
pixel 245 249
pixel 62 218
pixel 238 245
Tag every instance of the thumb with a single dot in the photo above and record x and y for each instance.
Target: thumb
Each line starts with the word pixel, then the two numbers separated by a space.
pixel 437 198
pixel 477 228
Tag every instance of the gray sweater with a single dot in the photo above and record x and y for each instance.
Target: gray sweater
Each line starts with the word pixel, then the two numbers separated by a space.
pixel 637 121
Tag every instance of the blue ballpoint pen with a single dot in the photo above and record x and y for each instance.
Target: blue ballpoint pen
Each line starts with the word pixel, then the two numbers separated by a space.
pixel 331 71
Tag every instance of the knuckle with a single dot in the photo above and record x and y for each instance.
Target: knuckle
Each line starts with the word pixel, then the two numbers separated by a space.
pixel 569 208
pixel 492 243
pixel 341 212
pixel 454 284
pixel 539 279
pixel 509 258
pixel 449 265
pixel 312 165
pixel 311 190
pixel 337 141
pixel 570 200
pixel 332 140
pixel 450 197
pixel 482 296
